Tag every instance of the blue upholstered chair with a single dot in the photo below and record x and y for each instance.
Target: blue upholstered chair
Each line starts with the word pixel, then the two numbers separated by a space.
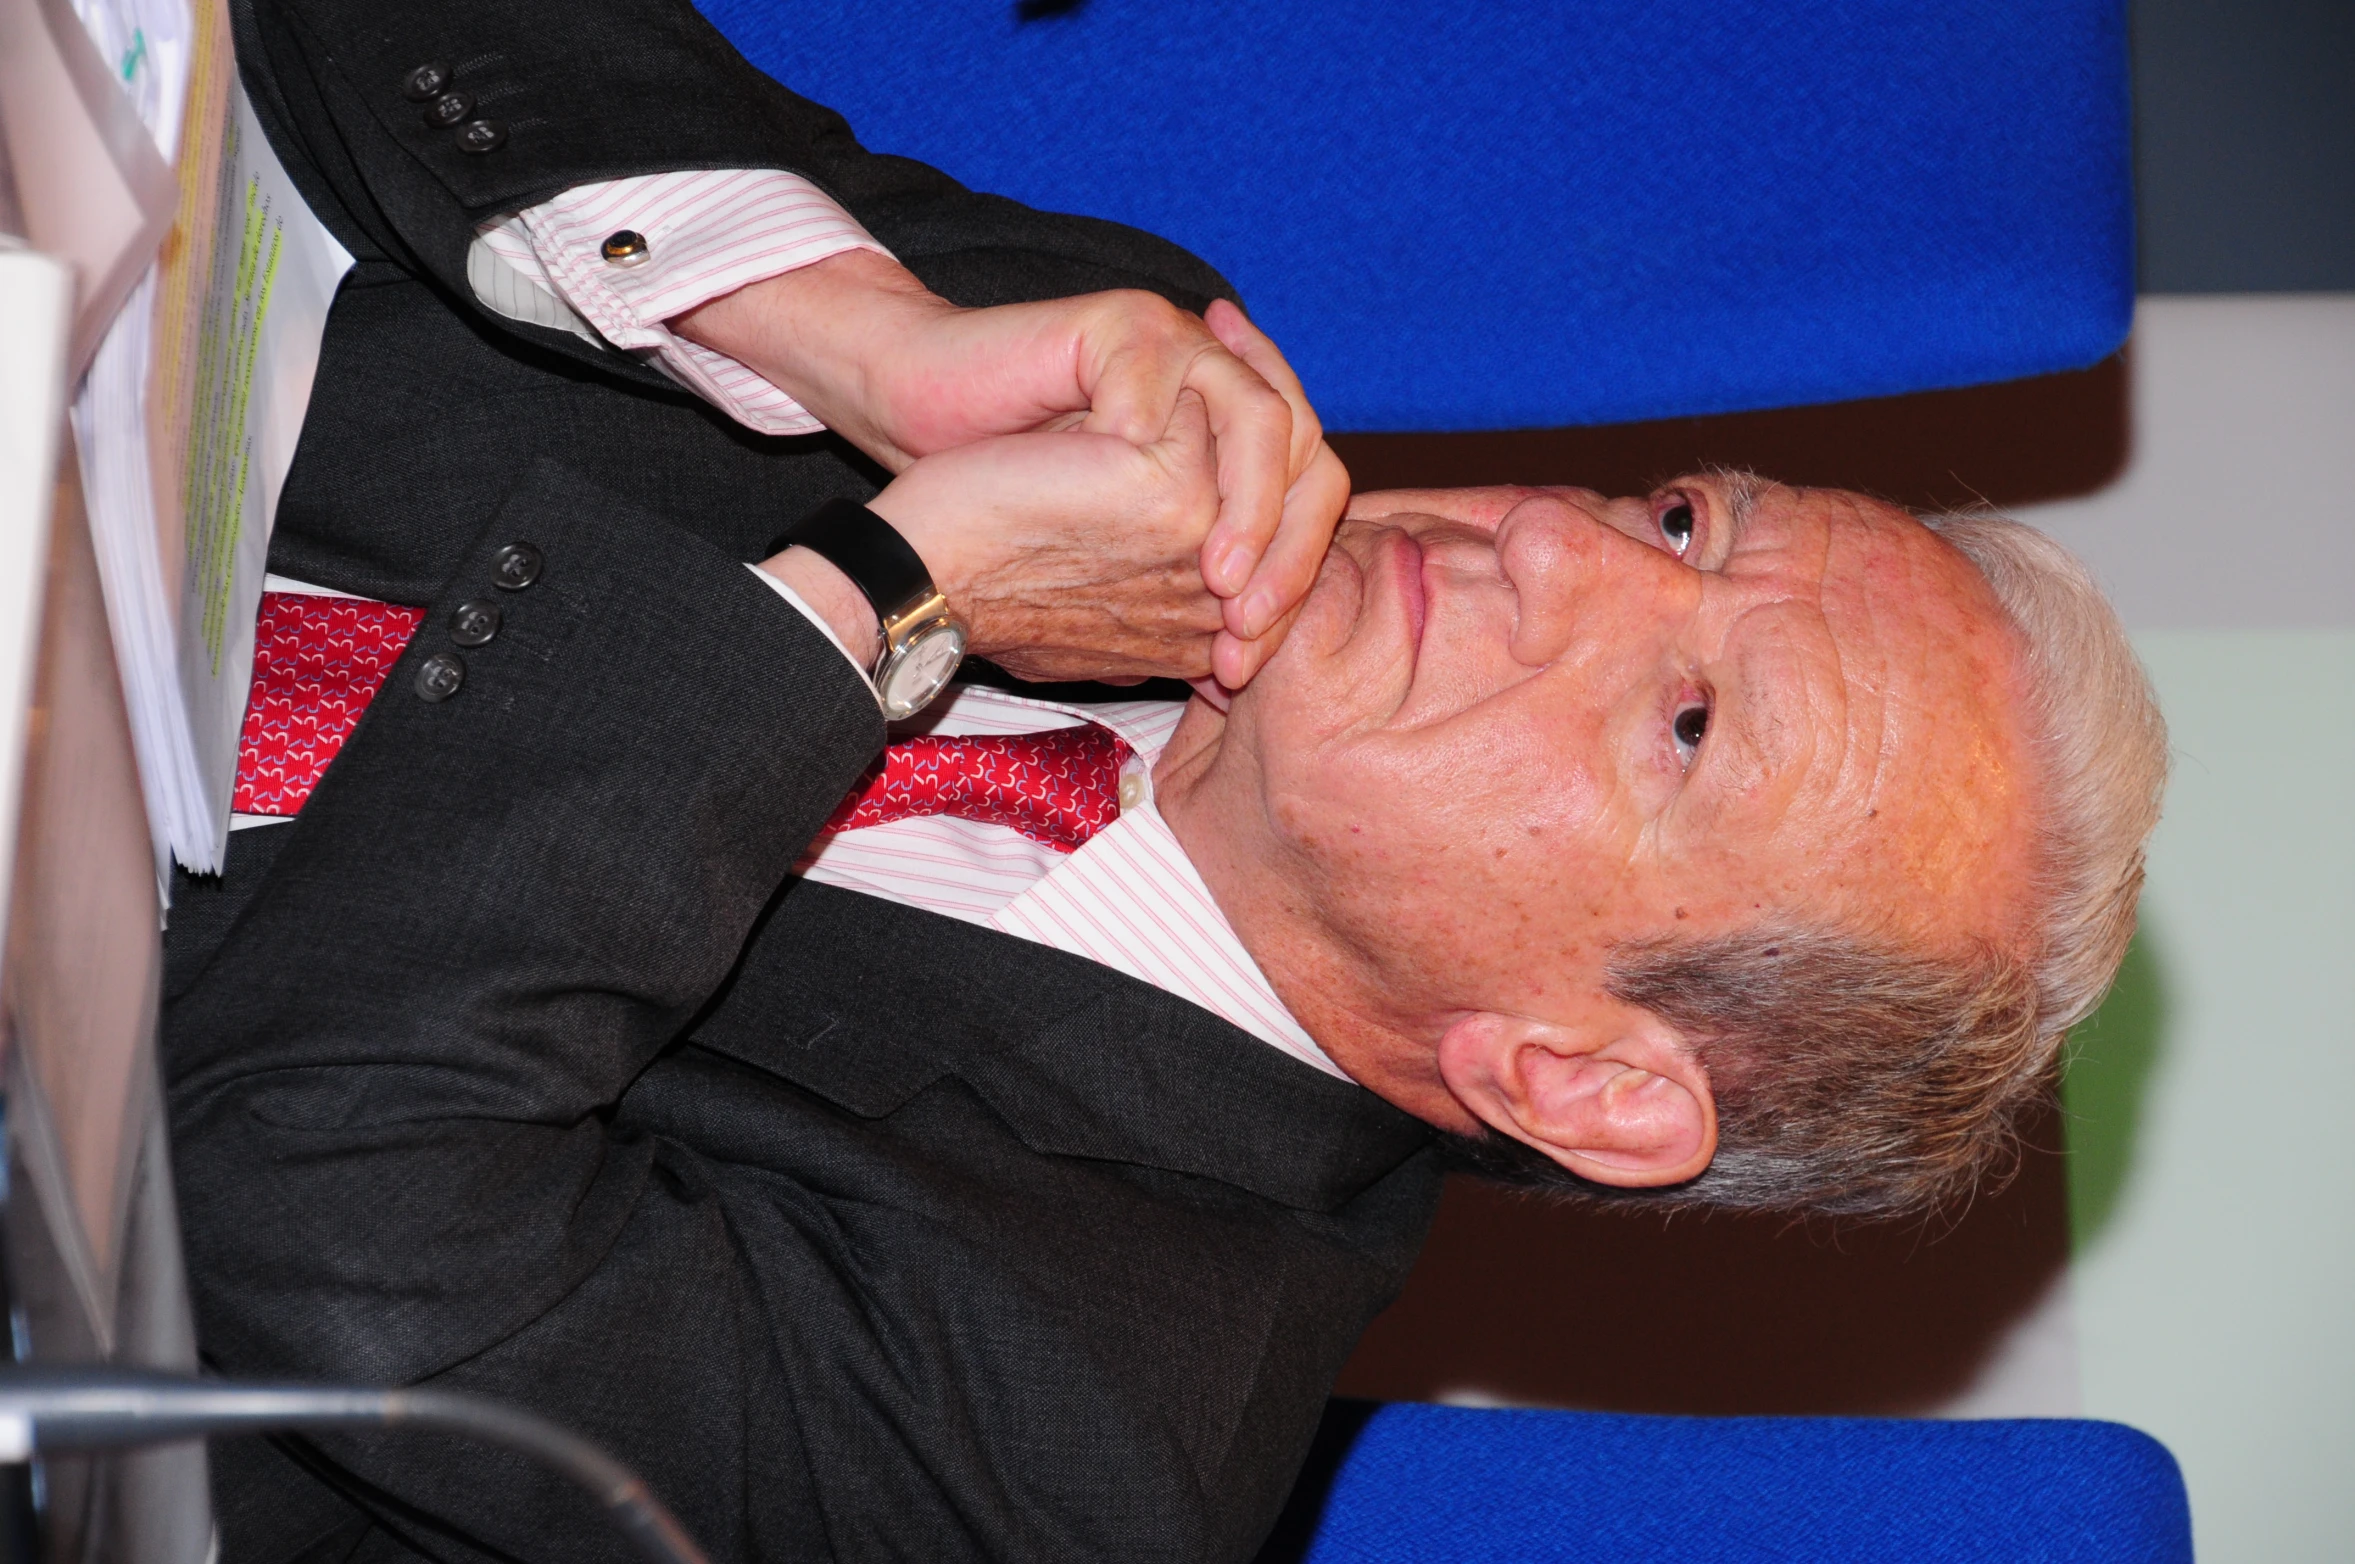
pixel 1407 1484
pixel 1534 213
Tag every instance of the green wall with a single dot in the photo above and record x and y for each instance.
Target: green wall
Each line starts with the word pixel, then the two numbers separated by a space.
pixel 2212 1153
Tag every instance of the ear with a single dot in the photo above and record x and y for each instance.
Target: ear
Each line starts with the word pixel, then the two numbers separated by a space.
pixel 1614 1095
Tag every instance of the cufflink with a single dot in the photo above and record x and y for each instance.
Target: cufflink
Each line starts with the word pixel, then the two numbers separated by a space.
pixel 626 247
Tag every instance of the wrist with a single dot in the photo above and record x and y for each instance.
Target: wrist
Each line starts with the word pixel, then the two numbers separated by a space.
pixel 944 524
pixel 827 335
pixel 918 640
pixel 833 597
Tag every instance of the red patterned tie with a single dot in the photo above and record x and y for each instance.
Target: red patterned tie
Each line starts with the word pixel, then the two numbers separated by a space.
pixel 1059 787
pixel 318 661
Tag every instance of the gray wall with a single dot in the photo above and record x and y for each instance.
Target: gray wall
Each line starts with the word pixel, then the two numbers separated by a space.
pixel 2245 144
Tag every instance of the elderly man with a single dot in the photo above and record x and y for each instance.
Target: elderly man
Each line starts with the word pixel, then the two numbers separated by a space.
pixel 1752 841
pixel 1782 836
pixel 1735 843
pixel 993 1149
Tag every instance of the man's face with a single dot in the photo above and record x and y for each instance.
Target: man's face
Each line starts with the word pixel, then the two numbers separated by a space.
pixel 1515 727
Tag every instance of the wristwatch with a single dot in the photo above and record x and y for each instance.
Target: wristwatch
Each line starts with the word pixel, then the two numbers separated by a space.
pixel 921 642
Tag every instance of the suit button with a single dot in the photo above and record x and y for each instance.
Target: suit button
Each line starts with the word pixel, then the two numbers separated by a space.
pixel 474 623
pixel 427 81
pixel 515 567
pixel 625 247
pixel 439 676
pixel 482 135
pixel 448 110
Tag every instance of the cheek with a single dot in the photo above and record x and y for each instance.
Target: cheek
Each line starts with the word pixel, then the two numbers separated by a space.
pixel 1509 783
pixel 1491 860
pixel 1549 768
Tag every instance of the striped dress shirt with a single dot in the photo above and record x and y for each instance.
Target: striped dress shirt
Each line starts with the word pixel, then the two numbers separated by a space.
pixel 1129 898
pixel 708 232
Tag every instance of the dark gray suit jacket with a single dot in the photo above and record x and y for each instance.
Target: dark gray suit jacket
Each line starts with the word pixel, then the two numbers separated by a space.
pixel 517 1064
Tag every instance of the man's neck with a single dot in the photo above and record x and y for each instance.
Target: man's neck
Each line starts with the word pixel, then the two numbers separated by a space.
pixel 1220 819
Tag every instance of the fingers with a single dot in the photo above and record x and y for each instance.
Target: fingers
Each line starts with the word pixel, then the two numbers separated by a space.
pixel 1312 509
pixel 1234 330
pixel 1134 353
pixel 1235 662
pixel 1251 428
pixel 1187 451
pixel 1131 354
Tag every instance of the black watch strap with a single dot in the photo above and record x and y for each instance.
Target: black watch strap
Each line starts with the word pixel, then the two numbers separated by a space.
pixel 866 548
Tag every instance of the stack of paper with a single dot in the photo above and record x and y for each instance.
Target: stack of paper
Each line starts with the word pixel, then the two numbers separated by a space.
pixel 248 373
pixel 185 422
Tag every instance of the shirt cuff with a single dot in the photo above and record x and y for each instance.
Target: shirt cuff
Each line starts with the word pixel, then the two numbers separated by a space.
pixel 824 629
pixel 706 232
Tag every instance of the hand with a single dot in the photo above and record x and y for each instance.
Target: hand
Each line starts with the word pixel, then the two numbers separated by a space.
pixel 1067 555
pixel 1258 618
pixel 904 374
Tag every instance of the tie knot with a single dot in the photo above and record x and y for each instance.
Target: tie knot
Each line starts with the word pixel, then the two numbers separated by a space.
pixel 1059 787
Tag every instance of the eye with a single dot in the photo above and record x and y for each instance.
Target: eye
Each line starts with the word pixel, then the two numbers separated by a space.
pixel 1676 525
pixel 1691 723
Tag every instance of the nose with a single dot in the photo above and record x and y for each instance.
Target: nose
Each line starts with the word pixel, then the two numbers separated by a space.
pixel 1580 573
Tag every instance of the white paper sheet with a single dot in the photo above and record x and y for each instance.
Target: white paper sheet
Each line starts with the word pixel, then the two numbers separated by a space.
pixel 181 599
pixel 274 275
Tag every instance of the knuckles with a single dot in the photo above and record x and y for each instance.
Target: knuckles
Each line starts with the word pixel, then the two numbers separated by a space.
pixel 1151 321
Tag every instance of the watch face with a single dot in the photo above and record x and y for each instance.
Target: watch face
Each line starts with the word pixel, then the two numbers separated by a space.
pixel 924 663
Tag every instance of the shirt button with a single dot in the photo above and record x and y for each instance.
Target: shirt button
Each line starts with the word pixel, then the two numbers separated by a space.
pixel 515 567
pixel 474 623
pixel 425 82
pixel 439 677
pixel 1132 792
pixel 448 110
pixel 626 247
pixel 482 135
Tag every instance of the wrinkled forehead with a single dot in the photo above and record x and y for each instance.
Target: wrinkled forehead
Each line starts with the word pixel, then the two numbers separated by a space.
pixel 1848 541
pixel 1893 595
pixel 1919 766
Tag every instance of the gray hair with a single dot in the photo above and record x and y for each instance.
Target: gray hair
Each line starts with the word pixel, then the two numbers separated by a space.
pixel 1855 1077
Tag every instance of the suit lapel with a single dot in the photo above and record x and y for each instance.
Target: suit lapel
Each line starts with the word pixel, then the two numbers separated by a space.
pixel 867 1002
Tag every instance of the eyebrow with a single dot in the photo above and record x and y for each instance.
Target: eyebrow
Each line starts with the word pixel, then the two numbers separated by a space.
pixel 1741 488
pixel 1741 496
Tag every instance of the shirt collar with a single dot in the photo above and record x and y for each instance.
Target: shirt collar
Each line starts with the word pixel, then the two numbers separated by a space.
pixel 1130 899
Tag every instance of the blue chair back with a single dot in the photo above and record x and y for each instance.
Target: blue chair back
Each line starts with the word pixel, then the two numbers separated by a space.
pixel 1408 1484
pixel 1532 213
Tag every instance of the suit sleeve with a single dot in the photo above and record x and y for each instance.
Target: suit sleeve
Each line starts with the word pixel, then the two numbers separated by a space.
pixel 391 1074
